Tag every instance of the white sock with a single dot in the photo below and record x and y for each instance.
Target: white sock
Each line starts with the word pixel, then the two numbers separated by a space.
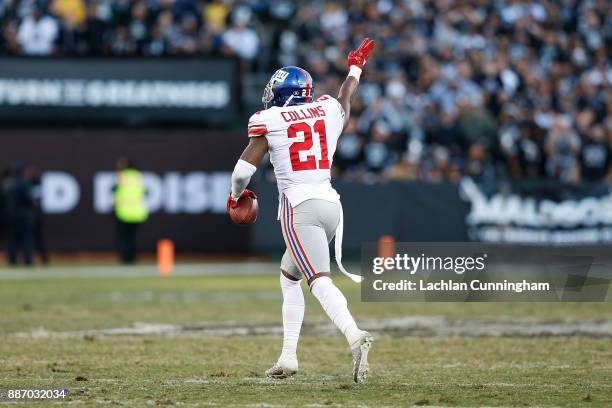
pixel 293 315
pixel 335 305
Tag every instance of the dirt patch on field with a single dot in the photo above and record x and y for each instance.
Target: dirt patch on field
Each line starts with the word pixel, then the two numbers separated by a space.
pixel 398 327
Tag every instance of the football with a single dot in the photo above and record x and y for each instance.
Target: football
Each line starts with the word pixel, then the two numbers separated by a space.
pixel 245 212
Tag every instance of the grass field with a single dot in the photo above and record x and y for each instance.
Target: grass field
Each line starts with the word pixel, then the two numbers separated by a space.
pixel 124 336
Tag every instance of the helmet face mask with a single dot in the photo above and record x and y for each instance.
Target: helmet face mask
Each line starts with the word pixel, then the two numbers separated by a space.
pixel 268 95
pixel 288 86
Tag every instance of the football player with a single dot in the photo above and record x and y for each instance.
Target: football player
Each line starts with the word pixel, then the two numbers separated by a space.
pixel 301 134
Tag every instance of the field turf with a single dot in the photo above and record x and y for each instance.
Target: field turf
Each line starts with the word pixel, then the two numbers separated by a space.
pixel 54 334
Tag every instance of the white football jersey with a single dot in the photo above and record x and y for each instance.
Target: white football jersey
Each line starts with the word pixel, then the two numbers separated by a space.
pixel 302 141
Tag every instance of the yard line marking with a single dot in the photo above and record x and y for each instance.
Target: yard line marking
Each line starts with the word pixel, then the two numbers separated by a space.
pixel 398 327
pixel 137 271
pixel 141 271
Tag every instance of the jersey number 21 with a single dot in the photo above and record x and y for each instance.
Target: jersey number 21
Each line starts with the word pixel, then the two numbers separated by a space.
pixel 310 162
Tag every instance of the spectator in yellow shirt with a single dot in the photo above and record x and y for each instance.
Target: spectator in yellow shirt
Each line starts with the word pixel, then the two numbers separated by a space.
pixel 72 12
pixel 215 15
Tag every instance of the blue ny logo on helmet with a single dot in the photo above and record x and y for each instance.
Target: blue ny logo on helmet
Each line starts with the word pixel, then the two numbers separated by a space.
pixel 288 86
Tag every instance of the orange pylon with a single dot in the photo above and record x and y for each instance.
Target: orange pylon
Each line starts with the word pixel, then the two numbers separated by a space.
pixel 165 257
pixel 386 246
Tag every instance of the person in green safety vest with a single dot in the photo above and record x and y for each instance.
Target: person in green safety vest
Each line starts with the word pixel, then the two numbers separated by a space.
pixel 130 208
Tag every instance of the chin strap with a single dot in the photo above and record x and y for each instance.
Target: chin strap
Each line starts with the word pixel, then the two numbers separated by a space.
pixel 288 100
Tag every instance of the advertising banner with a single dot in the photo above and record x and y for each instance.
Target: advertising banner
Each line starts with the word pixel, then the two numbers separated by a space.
pixel 134 91
pixel 186 186
pixel 544 213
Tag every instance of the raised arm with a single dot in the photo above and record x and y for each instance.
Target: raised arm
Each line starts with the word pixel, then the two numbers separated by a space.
pixel 356 61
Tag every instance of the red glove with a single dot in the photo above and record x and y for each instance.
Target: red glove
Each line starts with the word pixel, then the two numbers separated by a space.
pixel 360 56
pixel 232 202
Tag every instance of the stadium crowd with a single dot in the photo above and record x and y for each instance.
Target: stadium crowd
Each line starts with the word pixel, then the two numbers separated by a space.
pixel 486 88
